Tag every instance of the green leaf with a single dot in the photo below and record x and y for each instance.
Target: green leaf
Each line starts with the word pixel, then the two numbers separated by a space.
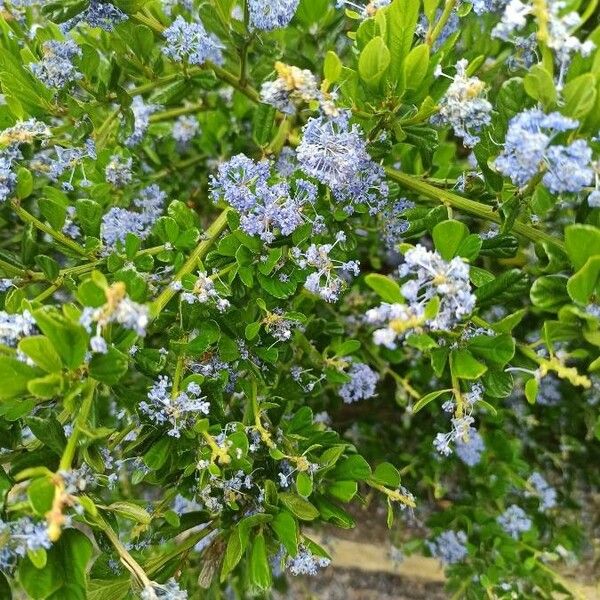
pixel 298 506
pixel 332 513
pixel 233 552
pixel 531 390
pixel 69 339
pixel 41 494
pixel 158 454
pixel 354 468
pixel 343 490
pixel 373 62
pixel 48 386
pixel 5 591
pixel 64 576
pixel 38 557
pixel 286 530
pixel 470 247
pixel 464 366
pixel 585 284
pixel 259 569
pixel 332 67
pixel 14 375
pixel 549 292
pixel 385 287
pixel 131 511
pixel 581 243
pixel 447 237
pixel 110 367
pixel 100 589
pixel 500 246
pixel 209 333
pixel 49 431
pixel 402 17
pixel 579 96
pixel 497 350
pixel 425 400
pixel 386 474
pixel 416 66
pixel 41 351
pixel 304 484
pixel 539 85
pixel 24 185
pixel 262 126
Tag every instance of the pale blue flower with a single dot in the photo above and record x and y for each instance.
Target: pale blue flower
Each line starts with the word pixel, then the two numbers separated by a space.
pixel 450 547
pixel 469 450
pixel 56 69
pixel 271 14
pixel 528 149
pixel 190 42
pixel 141 115
pixel 334 152
pixel 361 385
pixel 514 521
pixel 306 563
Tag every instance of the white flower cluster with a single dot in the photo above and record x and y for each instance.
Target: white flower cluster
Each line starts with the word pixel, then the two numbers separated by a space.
pixel 119 309
pixel 204 292
pixel 294 87
pixel 430 276
pixel 326 281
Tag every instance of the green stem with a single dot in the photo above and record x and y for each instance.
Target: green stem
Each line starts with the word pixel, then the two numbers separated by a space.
pixel 16 271
pixel 49 291
pixel 104 129
pixel 60 237
pixel 126 558
pixel 212 233
pixel 234 82
pixel 69 452
pixel 167 115
pixel 469 206
pixel 439 26
pixel 155 564
pixel 184 164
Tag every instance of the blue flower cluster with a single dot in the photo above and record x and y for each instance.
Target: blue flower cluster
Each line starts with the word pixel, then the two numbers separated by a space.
pixel 330 275
pixel 141 114
pixel 14 327
pixel 361 385
pixel 185 129
pixel 266 207
pixel 190 42
pixel 98 14
pixel 543 490
pixel 334 152
pixel 514 521
pixel 118 222
pixel 179 410
pixel 528 151
pixel 470 449
pixel 8 178
pixel 118 170
pixel 450 547
pixel 485 6
pixel 271 14
pixel 19 537
pixel 66 160
pixel 56 69
pixel 306 563
pixel 463 108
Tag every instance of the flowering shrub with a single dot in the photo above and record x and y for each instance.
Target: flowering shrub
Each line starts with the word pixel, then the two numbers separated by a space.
pixel 262 260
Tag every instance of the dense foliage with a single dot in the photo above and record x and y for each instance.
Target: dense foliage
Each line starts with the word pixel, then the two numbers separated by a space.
pixel 264 258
